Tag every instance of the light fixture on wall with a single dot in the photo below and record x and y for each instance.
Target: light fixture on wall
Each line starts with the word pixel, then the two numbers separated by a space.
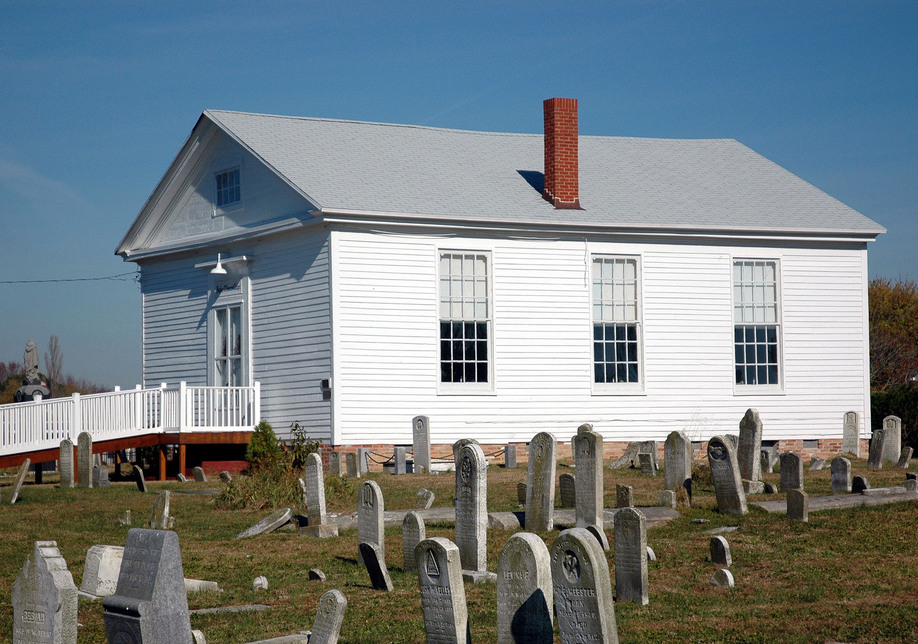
pixel 218 269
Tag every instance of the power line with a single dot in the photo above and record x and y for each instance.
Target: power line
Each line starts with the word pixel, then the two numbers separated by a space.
pixel 121 277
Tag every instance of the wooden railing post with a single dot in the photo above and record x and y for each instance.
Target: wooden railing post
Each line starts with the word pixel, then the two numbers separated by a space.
pixel 257 404
pixel 183 391
pixel 76 426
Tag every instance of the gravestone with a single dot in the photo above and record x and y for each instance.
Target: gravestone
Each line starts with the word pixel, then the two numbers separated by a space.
pixel 769 458
pixel 316 574
pixel 647 468
pixel 851 439
pixel 667 499
pixel 521 491
pixel 791 472
pixel 568 490
pixel 329 617
pixel 720 551
pixel 910 485
pixel 199 475
pixel 540 483
pixel 624 496
pixel 892 445
pixel 651 555
pixel 582 589
pixel 44 599
pixel 677 460
pixel 315 500
pixel 472 508
pixel 876 449
pixel 270 523
pixel 425 499
pixel 728 486
pixel 150 604
pixel 19 480
pixel 260 583
pixel 510 457
pixel 750 445
pixel 373 559
pixel 631 557
pixel 817 464
pixel 65 463
pixel 459 444
pixel 139 479
pixel 363 460
pixel 334 464
pixel 84 460
pixel 733 439
pixel 350 462
pixel 525 597
pixel 588 451
pixel 630 457
pixel 723 578
pixel 370 517
pixel 302 484
pixel 905 458
pixel 421 439
pixel 442 591
pixel 226 477
pixel 413 533
pixel 770 488
pixel 160 519
pixel 100 571
pixel 841 474
pixel 181 478
pixel 400 461
pixel 859 484
pixel 798 505
pixel 100 476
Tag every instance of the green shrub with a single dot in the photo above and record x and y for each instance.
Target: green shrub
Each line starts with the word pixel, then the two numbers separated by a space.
pixel 263 446
pixel 299 446
pixel 901 401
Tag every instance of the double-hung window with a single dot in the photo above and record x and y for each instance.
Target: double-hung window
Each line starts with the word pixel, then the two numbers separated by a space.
pixel 756 322
pixel 227 338
pixel 227 188
pixel 465 318
pixel 616 320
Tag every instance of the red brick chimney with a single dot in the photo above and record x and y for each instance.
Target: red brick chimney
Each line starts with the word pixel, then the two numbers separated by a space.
pixel 562 179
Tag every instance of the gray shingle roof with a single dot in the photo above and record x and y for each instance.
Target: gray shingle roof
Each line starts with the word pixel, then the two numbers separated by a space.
pixel 632 183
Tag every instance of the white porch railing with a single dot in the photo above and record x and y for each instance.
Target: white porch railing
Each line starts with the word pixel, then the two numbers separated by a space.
pixel 32 426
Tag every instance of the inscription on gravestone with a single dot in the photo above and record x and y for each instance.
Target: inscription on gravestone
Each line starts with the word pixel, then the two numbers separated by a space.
pixel 540 484
pixel 588 451
pixel 44 599
pixel 471 507
pixel 728 486
pixel 442 592
pixel 631 557
pixel 524 591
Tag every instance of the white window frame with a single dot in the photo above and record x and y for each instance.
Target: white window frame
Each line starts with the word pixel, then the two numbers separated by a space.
pixel 450 300
pixel 231 206
pixel 597 306
pixel 750 303
pixel 226 292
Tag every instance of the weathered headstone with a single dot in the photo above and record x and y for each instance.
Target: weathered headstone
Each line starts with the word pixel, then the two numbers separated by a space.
pixel 583 590
pixel 651 555
pixel 181 478
pixel 525 596
pixel 798 505
pixel 425 499
pixel 226 477
pixel 44 599
pixel 139 479
pixel 442 592
pixel 521 491
pixel 329 617
pixel 65 463
pixel 199 475
pixel 271 522
pixel 160 518
pixel 631 557
pixel 892 445
pixel 459 444
pixel 540 483
pixel 910 485
pixel 728 486
pixel 400 461
pixel 100 572
pixel 510 456
pixel 334 464
pixel 733 439
pixel 472 508
pixel 363 460
pixel 841 474
pixel 316 574
pixel 905 458
pixel 350 462
pixel 373 559
pixel 315 500
pixel 413 533
pixel 370 516
pixel 876 449
pixel 677 460
pixel 84 460
pixel 303 498
pixel 568 490
pixel 667 498
pixel 791 472
pixel 260 583
pixel 720 551
pixel 859 484
pixel 100 476
pixel 19 480
pixel 851 439
pixel 630 457
pixel 647 468
pixel 817 464
pixel 769 458
pixel 750 444
pixel 624 496
pixel 150 605
pixel 421 438
pixel 723 578
pixel 588 451
pixel 770 488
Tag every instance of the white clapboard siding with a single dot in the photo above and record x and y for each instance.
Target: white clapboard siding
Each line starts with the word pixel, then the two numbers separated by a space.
pixel 386 342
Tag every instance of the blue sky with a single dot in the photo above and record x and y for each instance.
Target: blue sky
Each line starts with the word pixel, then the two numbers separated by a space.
pixel 97 97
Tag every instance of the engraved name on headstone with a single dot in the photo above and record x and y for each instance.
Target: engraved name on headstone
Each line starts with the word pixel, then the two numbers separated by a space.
pixel 421 438
pixel 524 591
pixel 442 592
pixel 44 599
pixel 631 557
pixel 728 485
pixel 540 483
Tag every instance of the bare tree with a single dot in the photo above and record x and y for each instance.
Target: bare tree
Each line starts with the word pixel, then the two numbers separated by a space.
pixel 893 332
pixel 54 361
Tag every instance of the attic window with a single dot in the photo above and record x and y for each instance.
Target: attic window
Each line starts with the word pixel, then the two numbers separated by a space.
pixel 226 188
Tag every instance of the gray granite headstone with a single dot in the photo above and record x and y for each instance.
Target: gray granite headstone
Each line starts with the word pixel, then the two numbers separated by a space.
pixel 841 474
pixel 728 486
pixel 199 475
pixel 421 438
pixel 770 488
pixel 139 479
pixel 472 507
pixel 525 596
pixel 271 522
pixel 350 465
pixel 400 461
pixel 459 444
pixel 905 458
pixel 100 571
pixel 791 472
pixel 84 460
pixel 892 446
pixel 363 460
pixel 160 518
pixel 647 468
pixel 798 505
pixel 425 499
pixel 65 463
pixel 413 533
pixel 226 477
pixel 588 453
pixel 624 496
pixel 630 457
pixel 859 484
pixel 877 449
pixel 817 464
pixel 373 559
pixel 540 483
pixel 329 617
pixel 316 574
pixel 510 457
pixel 677 460
pixel 733 439
pixel 521 491
pixel 44 599
pixel 851 439
pixel 334 464
pixel 583 590
pixel 667 498
pixel 150 604
pixel 19 480
pixel 631 557
pixel 181 478
pixel 370 516
pixel 723 578
pixel 100 476
pixel 568 490
pixel 750 444
pixel 315 500
pixel 442 592
pixel 720 551
pixel 768 461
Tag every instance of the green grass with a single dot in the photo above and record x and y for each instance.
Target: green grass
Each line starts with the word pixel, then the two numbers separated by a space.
pixel 847 575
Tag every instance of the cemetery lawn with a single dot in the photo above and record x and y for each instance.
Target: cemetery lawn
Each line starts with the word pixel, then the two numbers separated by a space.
pixel 847 575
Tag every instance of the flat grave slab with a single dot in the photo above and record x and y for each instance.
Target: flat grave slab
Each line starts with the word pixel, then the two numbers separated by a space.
pixel 839 501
